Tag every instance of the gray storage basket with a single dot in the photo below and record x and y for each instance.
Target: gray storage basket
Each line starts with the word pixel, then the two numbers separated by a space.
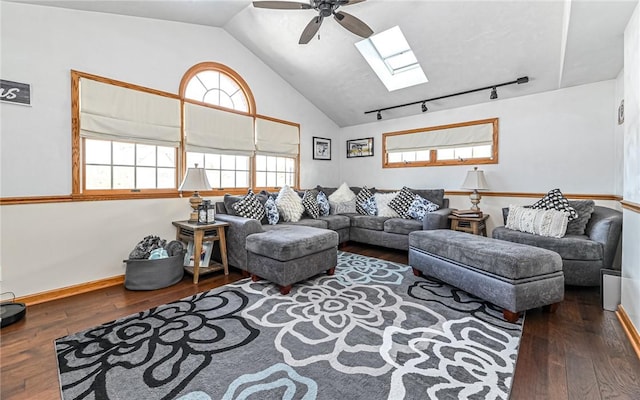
pixel 153 274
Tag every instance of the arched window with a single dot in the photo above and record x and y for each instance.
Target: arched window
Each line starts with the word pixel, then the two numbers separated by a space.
pixel 214 84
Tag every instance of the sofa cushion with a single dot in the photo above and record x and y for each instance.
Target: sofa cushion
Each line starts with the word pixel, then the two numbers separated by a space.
pixel 229 200
pixel 402 202
pixel 289 204
pixel 555 200
pixel 289 242
pixel 249 207
pixel 382 202
pixel 306 221
pixel 551 223
pixel 368 222
pixel 573 247
pixel 584 208
pixel 335 222
pixel 328 191
pixel 402 226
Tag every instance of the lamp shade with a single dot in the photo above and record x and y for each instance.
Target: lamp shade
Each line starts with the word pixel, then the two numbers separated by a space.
pixel 475 180
pixel 195 179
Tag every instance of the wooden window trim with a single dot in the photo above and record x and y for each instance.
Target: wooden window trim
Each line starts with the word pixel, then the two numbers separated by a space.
pixel 433 162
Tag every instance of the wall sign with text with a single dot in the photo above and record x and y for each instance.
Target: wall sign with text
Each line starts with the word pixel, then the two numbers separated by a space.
pixel 15 92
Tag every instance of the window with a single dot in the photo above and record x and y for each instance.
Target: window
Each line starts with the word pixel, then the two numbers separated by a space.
pixel 132 141
pixel 126 136
pixel 473 142
pixel 121 165
pixel 216 85
pixel 391 58
pixel 275 171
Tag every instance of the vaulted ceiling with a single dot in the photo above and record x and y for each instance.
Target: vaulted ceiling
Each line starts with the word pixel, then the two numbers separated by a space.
pixel 461 45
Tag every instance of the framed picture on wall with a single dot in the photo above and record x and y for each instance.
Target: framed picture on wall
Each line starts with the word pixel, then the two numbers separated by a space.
pixel 321 148
pixel 360 147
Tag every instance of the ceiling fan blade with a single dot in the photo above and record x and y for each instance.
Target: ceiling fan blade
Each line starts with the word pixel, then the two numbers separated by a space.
pixel 311 29
pixel 282 5
pixel 350 2
pixel 353 24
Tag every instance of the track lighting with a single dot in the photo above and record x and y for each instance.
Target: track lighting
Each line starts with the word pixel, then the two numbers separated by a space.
pixel 494 95
pixel 379 116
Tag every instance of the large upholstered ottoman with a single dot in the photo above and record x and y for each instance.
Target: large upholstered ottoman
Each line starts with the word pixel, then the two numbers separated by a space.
pixel 291 253
pixel 513 276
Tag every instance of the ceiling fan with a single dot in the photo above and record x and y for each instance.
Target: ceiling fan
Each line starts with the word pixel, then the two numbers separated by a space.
pixel 325 8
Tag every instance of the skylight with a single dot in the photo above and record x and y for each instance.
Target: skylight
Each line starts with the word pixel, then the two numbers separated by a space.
pixel 391 58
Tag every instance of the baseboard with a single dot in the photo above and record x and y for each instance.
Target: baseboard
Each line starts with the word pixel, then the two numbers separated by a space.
pixel 629 329
pixel 68 291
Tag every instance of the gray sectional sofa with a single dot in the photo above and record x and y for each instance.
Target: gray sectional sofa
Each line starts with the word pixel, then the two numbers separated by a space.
pixel 583 253
pixel 380 231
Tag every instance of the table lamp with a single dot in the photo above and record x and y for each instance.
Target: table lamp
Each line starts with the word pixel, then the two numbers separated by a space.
pixel 475 181
pixel 194 180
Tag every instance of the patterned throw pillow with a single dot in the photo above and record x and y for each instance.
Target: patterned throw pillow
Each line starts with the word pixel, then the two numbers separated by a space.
pixel 402 202
pixel 323 204
pixel 362 197
pixel 420 207
pixel 369 206
pixel 552 223
pixel 344 207
pixel 289 204
pixel 382 202
pixel 249 207
pixel 273 216
pixel 555 200
pixel 311 204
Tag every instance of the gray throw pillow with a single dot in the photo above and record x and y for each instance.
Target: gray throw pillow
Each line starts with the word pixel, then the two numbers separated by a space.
pixel 435 196
pixel 584 208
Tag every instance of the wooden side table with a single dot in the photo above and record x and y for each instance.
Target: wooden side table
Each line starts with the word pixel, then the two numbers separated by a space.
pixel 188 231
pixel 477 226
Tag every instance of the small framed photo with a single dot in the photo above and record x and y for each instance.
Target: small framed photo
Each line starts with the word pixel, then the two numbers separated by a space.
pixel 321 148
pixel 205 254
pixel 360 147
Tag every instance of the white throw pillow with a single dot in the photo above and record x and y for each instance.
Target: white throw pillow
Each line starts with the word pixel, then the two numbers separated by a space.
pixel 289 204
pixel 382 201
pixel 342 194
pixel 552 223
pixel 345 207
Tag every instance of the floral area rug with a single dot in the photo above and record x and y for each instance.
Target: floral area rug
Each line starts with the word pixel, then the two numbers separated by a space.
pixel 371 331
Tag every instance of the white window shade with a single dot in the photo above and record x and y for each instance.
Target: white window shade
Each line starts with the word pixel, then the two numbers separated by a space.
pixel 112 112
pixel 463 136
pixel 210 130
pixel 276 138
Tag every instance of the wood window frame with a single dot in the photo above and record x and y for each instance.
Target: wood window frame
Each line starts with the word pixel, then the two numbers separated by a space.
pixel 433 162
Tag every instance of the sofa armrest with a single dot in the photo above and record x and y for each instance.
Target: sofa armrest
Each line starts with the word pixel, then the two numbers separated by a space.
pixel 438 219
pixel 236 237
pixel 605 227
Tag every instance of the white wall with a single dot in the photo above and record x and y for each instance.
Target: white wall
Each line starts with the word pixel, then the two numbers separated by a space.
pixel 569 131
pixel 631 225
pixel 49 246
pixel 40 45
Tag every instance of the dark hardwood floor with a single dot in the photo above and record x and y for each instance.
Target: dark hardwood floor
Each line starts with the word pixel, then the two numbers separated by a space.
pixel 580 352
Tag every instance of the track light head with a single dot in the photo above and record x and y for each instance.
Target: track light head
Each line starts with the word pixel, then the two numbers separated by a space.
pixel 379 116
pixel 424 107
pixel 494 94
pixel 524 79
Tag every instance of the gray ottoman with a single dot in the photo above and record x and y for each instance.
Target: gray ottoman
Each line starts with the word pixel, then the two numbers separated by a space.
pixel 288 254
pixel 513 276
